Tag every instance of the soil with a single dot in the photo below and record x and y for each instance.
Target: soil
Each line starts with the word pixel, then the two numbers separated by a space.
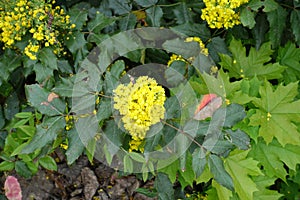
pixel 81 181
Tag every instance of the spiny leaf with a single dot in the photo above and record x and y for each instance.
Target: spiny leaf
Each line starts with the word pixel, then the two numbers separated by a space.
pixel 277 20
pixel 242 66
pixel 264 182
pixel 273 157
pixel 276 113
pixel 289 56
pixel 241 168
pixel 100 22
pixel 183 15
pixel 221 85
pixel 270 5
pixel 78 16
pixel 221 192
pixel 154 15
pixel 247 17
pixel 120 6
pixel 295 21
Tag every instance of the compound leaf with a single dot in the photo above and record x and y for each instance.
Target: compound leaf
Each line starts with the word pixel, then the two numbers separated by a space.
pixel 240 168
pixel 276 113
pixel 242 66
pixel 273 157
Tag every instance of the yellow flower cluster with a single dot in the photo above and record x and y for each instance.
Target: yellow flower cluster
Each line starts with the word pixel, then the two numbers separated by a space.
pixel 141 105
pixel 204 50
pixel 175 57
pixel 34 23
pixel 221 13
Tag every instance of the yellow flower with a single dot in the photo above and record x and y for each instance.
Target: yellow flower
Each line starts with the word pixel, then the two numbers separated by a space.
pixel 141 105
pixel 204 50
pixel 221 13
pixel 37 18
pixel 175 57
pixel 136 145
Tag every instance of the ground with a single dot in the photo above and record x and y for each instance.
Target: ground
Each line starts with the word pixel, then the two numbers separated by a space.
pixel 81 181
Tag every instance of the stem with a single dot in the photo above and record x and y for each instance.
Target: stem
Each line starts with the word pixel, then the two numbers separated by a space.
pixel 169 5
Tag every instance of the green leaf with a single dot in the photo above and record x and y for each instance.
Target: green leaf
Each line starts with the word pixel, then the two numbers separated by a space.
pixel 182 13
pixel 164 187
pixel 11 106
pixel 78 16
pixel 127 22
pixel 154 16
pixel 137 157
pixel 100 22
pixel 117 68
pixel 7 166
pixel 289 56
pixel 146 192
pixel 25 131
pixel 216 167
pixel 42 72
pixel 255 4
pixel 75 146
pixel 186 176
pixel 239 138
pixel 193 30
pixel 46 102
pixel 220 85
pixel 171 169
pixel 234 114
pixel 180 47
pixel 217 46
pixel 270 5
pixel 128 164
pixel 260 30
pixel 199 161
pixel 221 192
pixel 104 109
pixel 277 20
pixel 48 163
pixel 243 66
pixel 241 168
pixel 146 3
pixel 276 113
pixel 48 58
pixel 120 7
pixel 2 118
pixel 247 17
pixel 76 42
pixel 273 157
pixel 264 182
pixel 295 19
pixel 64 87
pixel 22 169
pixel 45 133
pixel 8 63
pixel 90 149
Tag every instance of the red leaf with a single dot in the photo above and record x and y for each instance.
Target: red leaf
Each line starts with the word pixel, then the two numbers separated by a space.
pixel 207 106
pixel 12 188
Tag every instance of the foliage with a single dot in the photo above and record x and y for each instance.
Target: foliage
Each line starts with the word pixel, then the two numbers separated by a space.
pixel 59 74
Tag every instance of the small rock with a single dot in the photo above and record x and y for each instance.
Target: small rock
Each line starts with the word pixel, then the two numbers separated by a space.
pixel 90 182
